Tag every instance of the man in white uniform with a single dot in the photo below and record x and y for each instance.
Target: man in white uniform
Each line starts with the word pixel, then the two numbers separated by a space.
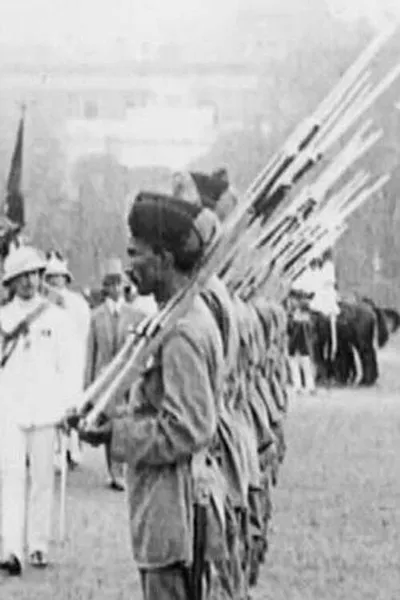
pixel 325 298
pixel 35 378
pixel 58 277
pixel 319 281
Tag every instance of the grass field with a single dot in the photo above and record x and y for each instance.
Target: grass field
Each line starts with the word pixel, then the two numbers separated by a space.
pixel 336 526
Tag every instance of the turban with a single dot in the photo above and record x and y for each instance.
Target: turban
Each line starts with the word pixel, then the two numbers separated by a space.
pixel 172 224
pixel 210 187
pixel 185 188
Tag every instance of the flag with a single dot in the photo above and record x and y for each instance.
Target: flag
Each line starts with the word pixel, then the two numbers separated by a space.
pixel 14 204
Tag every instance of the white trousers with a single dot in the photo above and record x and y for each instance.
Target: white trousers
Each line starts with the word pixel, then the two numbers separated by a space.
pixel 73 446
pixel 26 502
pixel 302 365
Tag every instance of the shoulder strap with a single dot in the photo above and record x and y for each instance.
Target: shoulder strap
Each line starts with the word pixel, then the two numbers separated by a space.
pixel 11 339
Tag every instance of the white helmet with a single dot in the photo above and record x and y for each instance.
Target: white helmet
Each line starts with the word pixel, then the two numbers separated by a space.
pixel 24 259
pixel 57 266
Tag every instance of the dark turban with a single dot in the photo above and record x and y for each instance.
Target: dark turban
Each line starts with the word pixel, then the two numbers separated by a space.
pixel 210 187
pixel 169 223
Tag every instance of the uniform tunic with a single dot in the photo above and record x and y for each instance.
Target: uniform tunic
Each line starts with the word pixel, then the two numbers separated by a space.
pixel 35 387
pixel 173 420
pixel 36 382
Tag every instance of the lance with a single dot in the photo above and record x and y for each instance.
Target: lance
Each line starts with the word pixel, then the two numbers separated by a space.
pixel 310 235
pixel 256 203
pixel 302 139
pixel 289 222
pixel 331 235
pixel 353 150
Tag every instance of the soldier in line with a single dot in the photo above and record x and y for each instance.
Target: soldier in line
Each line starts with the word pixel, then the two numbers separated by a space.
pixel 249 443
pixel 214 191
pixel 35 380
pixel 236 420
pixel 109 326
pixel 184 188
pixel 174 418
pixel 235 452
pixel 229 199
pixel 273 376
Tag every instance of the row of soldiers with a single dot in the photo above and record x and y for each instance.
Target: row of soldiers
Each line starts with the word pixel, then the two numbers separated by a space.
pixel 250 443
pixel 202 437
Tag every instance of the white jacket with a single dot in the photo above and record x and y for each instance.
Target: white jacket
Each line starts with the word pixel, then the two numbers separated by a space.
pixel 78 311
pixel 36 381
pixel 326 297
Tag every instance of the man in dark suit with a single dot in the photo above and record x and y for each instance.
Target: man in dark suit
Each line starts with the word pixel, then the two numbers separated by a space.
pixel 110 324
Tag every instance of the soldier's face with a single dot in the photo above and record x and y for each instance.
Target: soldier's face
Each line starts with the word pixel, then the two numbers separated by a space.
pixel 26 285
pixel 146 268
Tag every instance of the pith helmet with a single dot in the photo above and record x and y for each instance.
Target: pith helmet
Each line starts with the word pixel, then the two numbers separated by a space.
pixel 24 259
pixel 57 266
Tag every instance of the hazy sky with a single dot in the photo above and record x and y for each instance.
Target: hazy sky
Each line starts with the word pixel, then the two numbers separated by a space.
pixel 99 23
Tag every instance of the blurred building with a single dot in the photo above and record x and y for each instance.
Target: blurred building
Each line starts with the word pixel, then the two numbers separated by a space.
pixel 152 115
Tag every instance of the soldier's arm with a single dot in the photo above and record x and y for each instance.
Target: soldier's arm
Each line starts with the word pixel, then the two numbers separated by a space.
pixel 186 422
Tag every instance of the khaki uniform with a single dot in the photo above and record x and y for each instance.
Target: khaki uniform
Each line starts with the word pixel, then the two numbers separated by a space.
pixel 271 382
pixel 172 422
pixel 234 450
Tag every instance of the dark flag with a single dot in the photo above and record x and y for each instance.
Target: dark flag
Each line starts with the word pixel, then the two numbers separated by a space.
pixel 14 204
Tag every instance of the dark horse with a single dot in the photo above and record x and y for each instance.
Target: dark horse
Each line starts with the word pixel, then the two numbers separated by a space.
pixel 359 325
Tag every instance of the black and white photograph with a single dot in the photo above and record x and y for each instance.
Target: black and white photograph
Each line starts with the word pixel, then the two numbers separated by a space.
pixel 199 300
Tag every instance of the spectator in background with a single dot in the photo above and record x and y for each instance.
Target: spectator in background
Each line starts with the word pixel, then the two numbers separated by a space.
pixel 110 325
pixel 58 278
pixel 326 299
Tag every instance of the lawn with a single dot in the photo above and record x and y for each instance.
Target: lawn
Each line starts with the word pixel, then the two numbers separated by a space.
pixel 336 525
